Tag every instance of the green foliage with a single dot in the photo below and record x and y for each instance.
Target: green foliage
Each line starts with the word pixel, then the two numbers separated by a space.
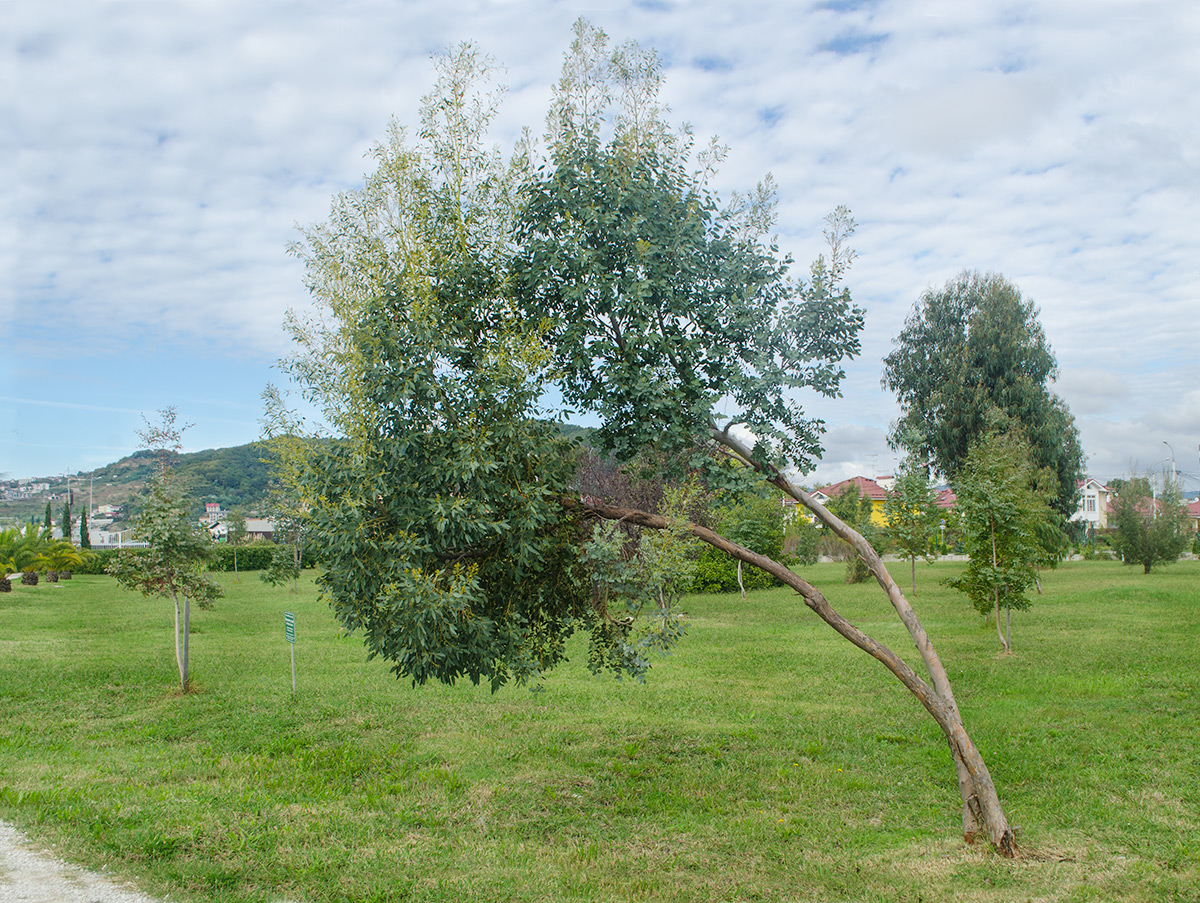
pixel 637 585
pixel 802 540
pixel 256 556
pixel 973 358
pixel 913 517
pixel 174 563
pixel 30 550
pixel 454 288
pixel 753 521
pixel 1149 530
pixel 854 509
pixel 97 561
pixel 282 566
pixel 85 539
pixel 438 517
pixel 1003 509
pixel 61 555
pixel 659 304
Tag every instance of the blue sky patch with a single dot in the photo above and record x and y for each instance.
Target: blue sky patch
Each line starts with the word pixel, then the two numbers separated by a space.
pixel 850 42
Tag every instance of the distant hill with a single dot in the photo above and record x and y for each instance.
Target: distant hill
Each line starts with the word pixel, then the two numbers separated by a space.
pixel 235 477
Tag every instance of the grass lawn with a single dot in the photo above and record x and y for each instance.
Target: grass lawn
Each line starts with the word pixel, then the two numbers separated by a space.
pixel 767 759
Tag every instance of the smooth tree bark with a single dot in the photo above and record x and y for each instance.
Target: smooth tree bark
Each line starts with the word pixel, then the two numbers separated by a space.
pixel 982 811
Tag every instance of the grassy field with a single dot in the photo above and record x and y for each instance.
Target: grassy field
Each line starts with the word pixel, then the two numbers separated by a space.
pixel 766 760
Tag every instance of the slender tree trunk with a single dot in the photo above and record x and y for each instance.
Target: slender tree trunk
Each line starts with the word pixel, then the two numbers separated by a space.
pixel 185 679
pixel 179 653
pixel 913 560
pixel 996 596
pixel 236 578
pixel 982 812
pixel 741 585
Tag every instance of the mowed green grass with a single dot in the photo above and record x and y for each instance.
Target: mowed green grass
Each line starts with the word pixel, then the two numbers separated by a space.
pixel 765 760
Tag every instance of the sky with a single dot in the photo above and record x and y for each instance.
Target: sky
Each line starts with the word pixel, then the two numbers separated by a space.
pixel 160 156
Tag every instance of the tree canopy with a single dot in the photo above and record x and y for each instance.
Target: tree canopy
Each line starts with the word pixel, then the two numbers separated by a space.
pixel 1150 526
pixel 1002 506
pixel 972 358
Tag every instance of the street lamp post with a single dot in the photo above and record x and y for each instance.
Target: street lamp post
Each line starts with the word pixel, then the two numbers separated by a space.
pixel 1168 445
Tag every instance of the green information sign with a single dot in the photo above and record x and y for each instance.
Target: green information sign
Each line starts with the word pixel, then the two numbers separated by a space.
pixel 289 631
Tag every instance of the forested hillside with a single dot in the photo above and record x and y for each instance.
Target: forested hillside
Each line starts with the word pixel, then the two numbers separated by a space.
pixel 235 477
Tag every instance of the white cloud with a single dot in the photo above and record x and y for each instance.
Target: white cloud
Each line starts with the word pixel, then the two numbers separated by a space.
pixel 163 152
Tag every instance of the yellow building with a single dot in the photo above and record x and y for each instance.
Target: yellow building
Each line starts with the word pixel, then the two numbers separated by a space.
pixel 860 486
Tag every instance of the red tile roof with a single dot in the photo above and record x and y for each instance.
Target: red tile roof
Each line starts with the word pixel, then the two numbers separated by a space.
pixel 869 488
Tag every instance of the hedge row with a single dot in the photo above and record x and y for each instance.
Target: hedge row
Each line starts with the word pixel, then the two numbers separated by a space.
pixel 253 557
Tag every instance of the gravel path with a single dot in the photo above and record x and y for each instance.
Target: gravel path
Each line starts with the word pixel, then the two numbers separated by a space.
pixel 29 875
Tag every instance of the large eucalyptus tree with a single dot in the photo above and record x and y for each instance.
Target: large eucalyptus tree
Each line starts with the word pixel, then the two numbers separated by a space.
pixel 455 288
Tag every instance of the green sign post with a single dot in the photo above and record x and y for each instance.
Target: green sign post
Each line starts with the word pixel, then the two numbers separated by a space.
pixel 289 631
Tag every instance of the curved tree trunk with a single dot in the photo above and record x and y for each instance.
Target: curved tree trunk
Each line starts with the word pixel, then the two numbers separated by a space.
pixel 975 784
pixel 982 812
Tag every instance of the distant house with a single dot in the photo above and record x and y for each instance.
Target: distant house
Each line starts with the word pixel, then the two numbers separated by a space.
pixel 946 499
pixel 1193 515
pixel 860 486
pixel 1095 502
pixel 259 528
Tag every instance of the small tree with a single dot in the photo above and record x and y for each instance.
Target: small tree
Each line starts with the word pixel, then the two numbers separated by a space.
pixel 48 524
pixel 913 516
pixel 67 519
pixel 1002 503
pixel 85 539
pixel 1150 530
pixel 854 509
pixel 174 563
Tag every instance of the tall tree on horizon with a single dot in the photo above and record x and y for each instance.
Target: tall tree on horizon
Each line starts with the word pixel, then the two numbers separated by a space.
pixel 973 357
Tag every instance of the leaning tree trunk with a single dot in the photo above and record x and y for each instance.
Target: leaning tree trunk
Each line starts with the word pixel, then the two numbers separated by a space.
pixel 982 812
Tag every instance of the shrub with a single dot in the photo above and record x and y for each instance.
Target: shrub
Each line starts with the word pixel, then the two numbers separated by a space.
pixel 754 522
pixel 801 541
pixel 255 556
pixel 95 562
